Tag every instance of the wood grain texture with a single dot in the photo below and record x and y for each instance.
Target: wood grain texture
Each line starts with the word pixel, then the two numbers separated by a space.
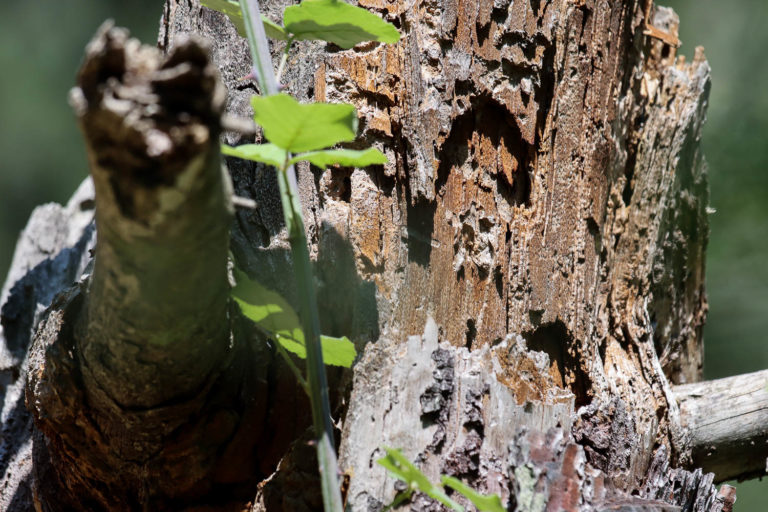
pixel 545 204
pixel 545 179
pixel 727 423
pixel 543 167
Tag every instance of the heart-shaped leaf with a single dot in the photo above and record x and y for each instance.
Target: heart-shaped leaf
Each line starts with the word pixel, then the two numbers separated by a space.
pixel 296 127
pixel 337 22
pixel 338 351
pixel 265 153
pixel 272 313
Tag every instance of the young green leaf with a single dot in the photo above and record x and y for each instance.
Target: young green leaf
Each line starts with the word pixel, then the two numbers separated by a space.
pixel 343 157
pixel 338 22
pixel 232 9
pixel 400 467
pixel 338 351
pixel 274 30
pixel 269 311
pixel 483 503
pixel 265 153
pixel 297 128
pixel 273 314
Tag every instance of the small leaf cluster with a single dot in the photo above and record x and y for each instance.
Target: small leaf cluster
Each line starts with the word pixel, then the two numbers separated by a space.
pixel 291 127
pixel 401 468
pixel 303 132
pixel 325 20
pixel 312 129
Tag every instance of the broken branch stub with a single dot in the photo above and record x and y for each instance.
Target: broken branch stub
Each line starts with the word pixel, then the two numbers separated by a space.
pixel 152 126
pixel 134 377
pixel 726 424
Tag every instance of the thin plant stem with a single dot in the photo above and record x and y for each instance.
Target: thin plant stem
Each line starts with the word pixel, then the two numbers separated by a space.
pixel 316 378
pixel 283 60
pixel 286 356
pixel 257 42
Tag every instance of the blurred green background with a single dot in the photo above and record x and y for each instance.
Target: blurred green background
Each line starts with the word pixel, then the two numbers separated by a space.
pixel 735 41
pixel 42 153
pixel 43 159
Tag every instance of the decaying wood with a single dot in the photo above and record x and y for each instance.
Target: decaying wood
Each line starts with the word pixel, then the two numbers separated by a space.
pixel 727 424
pixel 429 389
pixel 462 413
pixel 142 395
pixel 545 161
pixel 51 254
pixel 544 179
pixel 543 214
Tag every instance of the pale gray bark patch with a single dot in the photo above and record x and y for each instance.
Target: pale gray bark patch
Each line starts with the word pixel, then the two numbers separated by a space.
pixel 52 253
pixel 448 412
pixel 444 407
pixel 727 423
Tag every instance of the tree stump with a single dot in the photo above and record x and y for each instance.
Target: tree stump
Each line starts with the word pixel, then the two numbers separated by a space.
pixel 524 279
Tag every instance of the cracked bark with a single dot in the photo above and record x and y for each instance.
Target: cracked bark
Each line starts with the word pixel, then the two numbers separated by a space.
pixel 145 390
pixel 542 221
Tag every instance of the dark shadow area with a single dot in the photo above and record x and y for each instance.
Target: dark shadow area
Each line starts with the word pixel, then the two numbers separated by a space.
pixel 420 221
pixel 487 137
pixel 566 367
pixel 594 230
pixel 471 334
pixel 347 303
pixel 483 31
pixel 254 231
pixel 629 174
pixel 21 498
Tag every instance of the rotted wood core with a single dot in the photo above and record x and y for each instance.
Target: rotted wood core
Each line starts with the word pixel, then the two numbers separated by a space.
pixel 152 127
pixel 545 178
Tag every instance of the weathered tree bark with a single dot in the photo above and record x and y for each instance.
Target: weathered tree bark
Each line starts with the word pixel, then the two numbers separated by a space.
pixel 146 393
pixel 131 376
pixel 542 221
pixel 726 424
